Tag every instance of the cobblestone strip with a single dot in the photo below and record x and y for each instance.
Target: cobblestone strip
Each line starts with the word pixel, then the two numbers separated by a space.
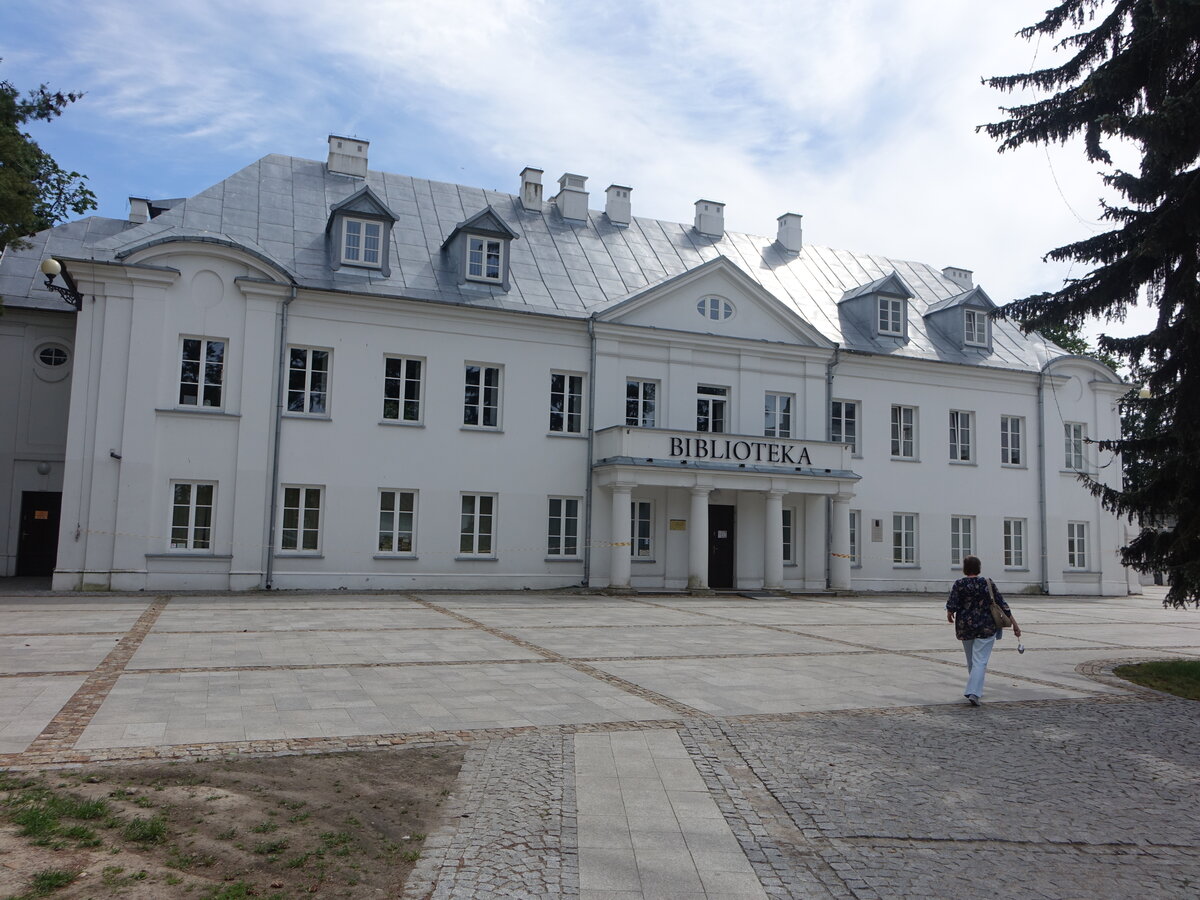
pixel 785 859
pixel 511 828
pixel 660 700
pixel 64 729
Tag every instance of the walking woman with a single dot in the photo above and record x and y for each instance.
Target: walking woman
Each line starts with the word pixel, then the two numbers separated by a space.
pixel 970 609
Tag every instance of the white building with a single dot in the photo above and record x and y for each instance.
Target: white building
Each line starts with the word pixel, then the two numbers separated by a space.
pixel 318 375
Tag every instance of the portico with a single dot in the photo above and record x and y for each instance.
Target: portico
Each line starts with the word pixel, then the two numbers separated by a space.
pixel 711 512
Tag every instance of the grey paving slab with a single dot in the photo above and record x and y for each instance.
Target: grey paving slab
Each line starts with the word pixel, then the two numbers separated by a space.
pixel 929 636
pixel 193 618
pixel 53 652
pixel 286 600
pixel 70 603
pixel 1127 635
pixel 799 613
pixel 672 641
pixel 28 704
pixel 200 650
pixel 1057 666
pixel 67 621
pixel 145 709
pixel 509 618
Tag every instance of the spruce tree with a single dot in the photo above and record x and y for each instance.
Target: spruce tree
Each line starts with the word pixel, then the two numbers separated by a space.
pixel 1132 75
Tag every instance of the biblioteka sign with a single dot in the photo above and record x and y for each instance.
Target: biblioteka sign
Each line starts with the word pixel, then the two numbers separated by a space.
pixel 740 450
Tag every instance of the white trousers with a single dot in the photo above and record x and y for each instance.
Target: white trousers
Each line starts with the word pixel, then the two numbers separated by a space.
pixel 979 651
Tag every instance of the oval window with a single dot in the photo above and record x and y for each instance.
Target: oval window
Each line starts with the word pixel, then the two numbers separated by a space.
pixel 52 356
pixel 716 308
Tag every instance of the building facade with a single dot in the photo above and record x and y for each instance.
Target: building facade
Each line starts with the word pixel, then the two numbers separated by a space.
pixel 317 375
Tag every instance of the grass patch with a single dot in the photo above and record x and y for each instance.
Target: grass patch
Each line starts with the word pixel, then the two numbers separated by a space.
pixel 1180 677
pixel 146 831
pixel 49 880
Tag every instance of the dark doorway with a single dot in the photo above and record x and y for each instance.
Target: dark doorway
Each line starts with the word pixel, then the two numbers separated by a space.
pixel 37 547
pixel 720 547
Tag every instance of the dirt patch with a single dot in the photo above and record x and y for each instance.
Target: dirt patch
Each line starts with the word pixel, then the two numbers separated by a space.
pixel 337 825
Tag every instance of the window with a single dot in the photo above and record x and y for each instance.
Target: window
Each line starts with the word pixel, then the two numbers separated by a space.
pixel 1010 440
pixel 710 408
pixel 789 535
pixel 960 436
pixel 52 356
pixel 485 259
pixel 301 530
pixel 562 535
pixel 397 521
pixel 639 402
pixel 855 531
pixel 891 316
pixel 1077 545
pixel 202 373
pixel 308 381
pixel 904 432
pixel 777 420
pixel 975 328
pixel 1075 435
pixel 904 539
pixel 566 403
pixel 1014 543
pixel 716 308
pixel 362 242
pixel 843 426
pixel 641 526
pixel 191 515
pixel 962 538
pixel 402 388
pixel 477 523
pixel 481 399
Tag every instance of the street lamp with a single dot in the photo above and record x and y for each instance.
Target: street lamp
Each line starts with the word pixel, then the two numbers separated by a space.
pixel 51 267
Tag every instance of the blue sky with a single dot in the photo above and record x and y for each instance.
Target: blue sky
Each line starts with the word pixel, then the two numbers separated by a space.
pixel 859 114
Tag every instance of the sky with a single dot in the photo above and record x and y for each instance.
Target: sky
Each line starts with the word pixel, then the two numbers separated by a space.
pixel 861 115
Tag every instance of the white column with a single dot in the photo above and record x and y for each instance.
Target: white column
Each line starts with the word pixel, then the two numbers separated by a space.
pixel 839 564
pixel 814 542
pixel 698 539
pixel 773 540
pixel 619 565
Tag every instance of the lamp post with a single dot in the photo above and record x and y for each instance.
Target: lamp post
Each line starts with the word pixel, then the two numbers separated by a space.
pixel 51 267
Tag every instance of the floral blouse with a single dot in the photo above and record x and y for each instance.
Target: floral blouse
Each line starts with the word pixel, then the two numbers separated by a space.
pixel 972 606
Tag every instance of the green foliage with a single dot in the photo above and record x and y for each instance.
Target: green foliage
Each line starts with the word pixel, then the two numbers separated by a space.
pixel 146 831
pixel 1132 76
pixel 50 880
pixel 35 192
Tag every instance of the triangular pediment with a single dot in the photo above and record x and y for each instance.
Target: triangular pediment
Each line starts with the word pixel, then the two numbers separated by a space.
pixel 364 202
pixel 486 222
pixel 734 305
pixel 891 285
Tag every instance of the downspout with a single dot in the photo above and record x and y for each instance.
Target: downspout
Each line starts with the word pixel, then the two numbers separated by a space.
pixel 279 395
pixel 591 431
pixel 1045 562
pixel 829 367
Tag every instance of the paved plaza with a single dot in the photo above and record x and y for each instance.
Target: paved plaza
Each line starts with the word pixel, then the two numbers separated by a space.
pixel 660 746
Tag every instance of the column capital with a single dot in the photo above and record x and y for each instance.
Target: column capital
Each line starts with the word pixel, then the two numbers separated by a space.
pixel 621 486
pixel 701 490
pixel 774 492
pixel 843 498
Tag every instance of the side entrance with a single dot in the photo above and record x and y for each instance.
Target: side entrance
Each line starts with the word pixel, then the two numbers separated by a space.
pixel 37 544
pixel 720 547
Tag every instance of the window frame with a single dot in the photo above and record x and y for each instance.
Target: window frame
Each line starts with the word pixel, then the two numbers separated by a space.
pixel 639 537
pixel 190 526
pixel 890 316
pixel 1012 452
pixel 897 432
pixel 301 529
pixel 480 406
pixel 715 309
pixel 962 436
pixel 394 531
pixel 901 548
pixel 484 251
pixel 962 540
pixel 364 224
pixel 402 383
pixel 712 408
pixel 1074 441
pixel 476 517
pixel 789 536
pixel 838 421
pixel 1077 546
pixel 307 392
pixel 643 418
pixel 1014 543
pixel 560 521
pixel 565 414
pixel 203 365
pixel 772 400
pixel 856 538
pixel 974 338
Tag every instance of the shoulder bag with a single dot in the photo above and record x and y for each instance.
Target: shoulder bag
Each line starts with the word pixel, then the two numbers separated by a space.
pixel 999 616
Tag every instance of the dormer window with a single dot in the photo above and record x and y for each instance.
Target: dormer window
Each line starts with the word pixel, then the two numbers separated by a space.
pixel 361 242
pixel 975 325
pixel 485 259
pixel 891 316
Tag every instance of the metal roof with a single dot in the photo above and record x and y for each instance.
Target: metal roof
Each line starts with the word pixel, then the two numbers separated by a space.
pixel 279 206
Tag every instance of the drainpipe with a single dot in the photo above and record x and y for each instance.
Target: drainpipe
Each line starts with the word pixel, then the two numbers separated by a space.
pixel 1045 562
pixel 829 367
pixel 279 395
pixel 591 431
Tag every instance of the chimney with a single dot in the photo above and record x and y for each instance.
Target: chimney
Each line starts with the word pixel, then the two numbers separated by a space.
pixel 710 218
pixel 348 156
pixel 617 207
pixel 139 209
pixel 571 198
pixel 791 236
pixel 962 277
pixel 531 189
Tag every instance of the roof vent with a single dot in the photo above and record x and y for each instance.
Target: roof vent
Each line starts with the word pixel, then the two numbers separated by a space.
pixel 710 218
pixel 618 207
pixel 139 209
pixel 791 236
pixel 571 198
pixel 962 277
pixel 531 189
pixel 348 156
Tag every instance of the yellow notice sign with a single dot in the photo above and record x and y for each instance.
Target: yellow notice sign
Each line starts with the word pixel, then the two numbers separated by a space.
pixel 41 513
pixel 679 524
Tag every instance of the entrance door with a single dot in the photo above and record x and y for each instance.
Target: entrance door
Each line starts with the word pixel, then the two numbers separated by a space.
pixel 720 547
pixel 37 547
